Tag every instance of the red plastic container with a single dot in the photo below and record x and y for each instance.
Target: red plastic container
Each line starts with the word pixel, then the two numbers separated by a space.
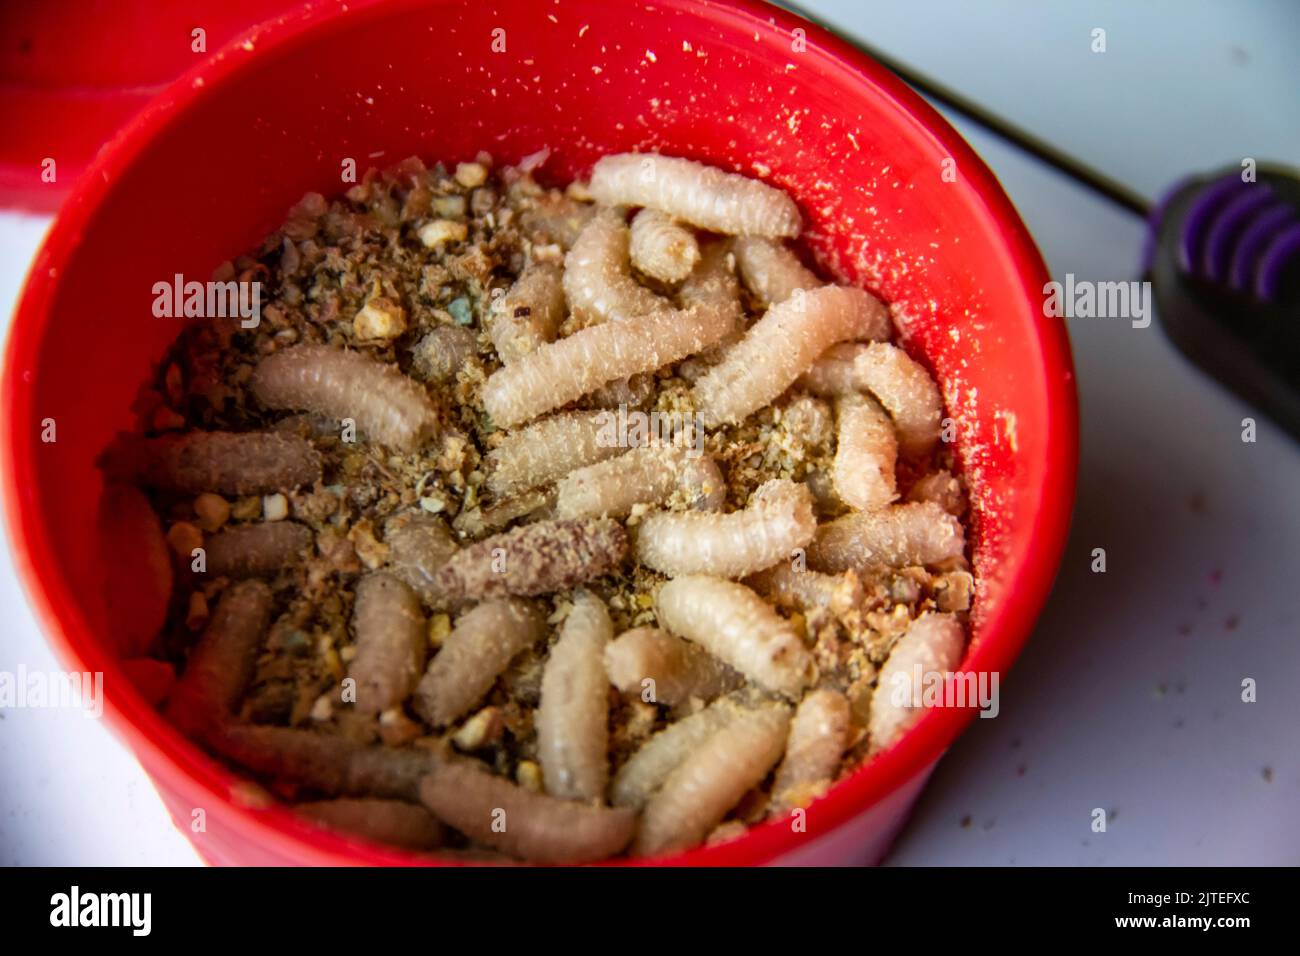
pixel 73 71
pixel 212 165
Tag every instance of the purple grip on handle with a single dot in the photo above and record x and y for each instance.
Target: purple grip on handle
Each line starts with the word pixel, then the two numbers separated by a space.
pixel 1268 280
pixel 1254 239
pixel 1240 234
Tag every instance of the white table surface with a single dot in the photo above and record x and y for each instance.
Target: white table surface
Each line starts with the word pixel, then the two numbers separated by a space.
pixel 1128 696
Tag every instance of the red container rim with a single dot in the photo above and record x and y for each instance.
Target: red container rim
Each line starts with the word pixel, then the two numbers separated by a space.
pixel 180 766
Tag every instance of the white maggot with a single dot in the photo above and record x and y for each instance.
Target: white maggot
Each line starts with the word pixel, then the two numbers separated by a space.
pixel 778 519
pixel 819 735
pixel 770 270
pixel 932 646
pixel 896 536
pixel 783 345
pixel 704 196
pixel 646 475
pixel 901 384
pixel 560 372
pixel 598 281
pixel 573 717
pixel 736 625
pixel 661 248
pixel 708 783
pixel 865 453
pixel 530 313
pixel 387 406
pixel 549 449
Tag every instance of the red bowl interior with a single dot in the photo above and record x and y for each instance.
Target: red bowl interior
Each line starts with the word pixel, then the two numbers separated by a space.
pixel 214 163
pixel 71 73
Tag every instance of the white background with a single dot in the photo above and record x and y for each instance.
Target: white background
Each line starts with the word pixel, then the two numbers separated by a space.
pixel 1128 696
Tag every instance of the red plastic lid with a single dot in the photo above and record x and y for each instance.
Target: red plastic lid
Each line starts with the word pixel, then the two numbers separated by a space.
pixel 72 72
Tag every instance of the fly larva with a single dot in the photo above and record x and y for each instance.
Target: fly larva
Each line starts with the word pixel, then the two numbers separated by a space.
pixel 782 345
pixel 808 421
pixel 806 590
pixel 531 826
pixel 256 550
pixel 418 545
pixel 676 669
pixel 901 384
pixel 700 485
pixel 943 489
pixel 389 407
pixel 598 279
pixel 819 735
pixel 573 716
pixel 537 505
pixel 390 642
pixel 480 647
pixel 557 219
pixel 704 196
pixel 309 425
pixel 646 770
pixel 778 519
pixel 138 571
pixel 661 248
pixel 393 772
pixel 713 283
pixel 828 502
pixel 932 645
pixel 222 662
pixel 733 623
pixel 636 391
pixel 533 559
pixel 530 313
pixel 865 453
pixel 228 463
pixel 441 354
pixel 708 783
pixel 328 763
pixel 560 372
pixel 897 536
pixel 549 449
pixel 385 821
pixel 771 271
pixel 646 475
